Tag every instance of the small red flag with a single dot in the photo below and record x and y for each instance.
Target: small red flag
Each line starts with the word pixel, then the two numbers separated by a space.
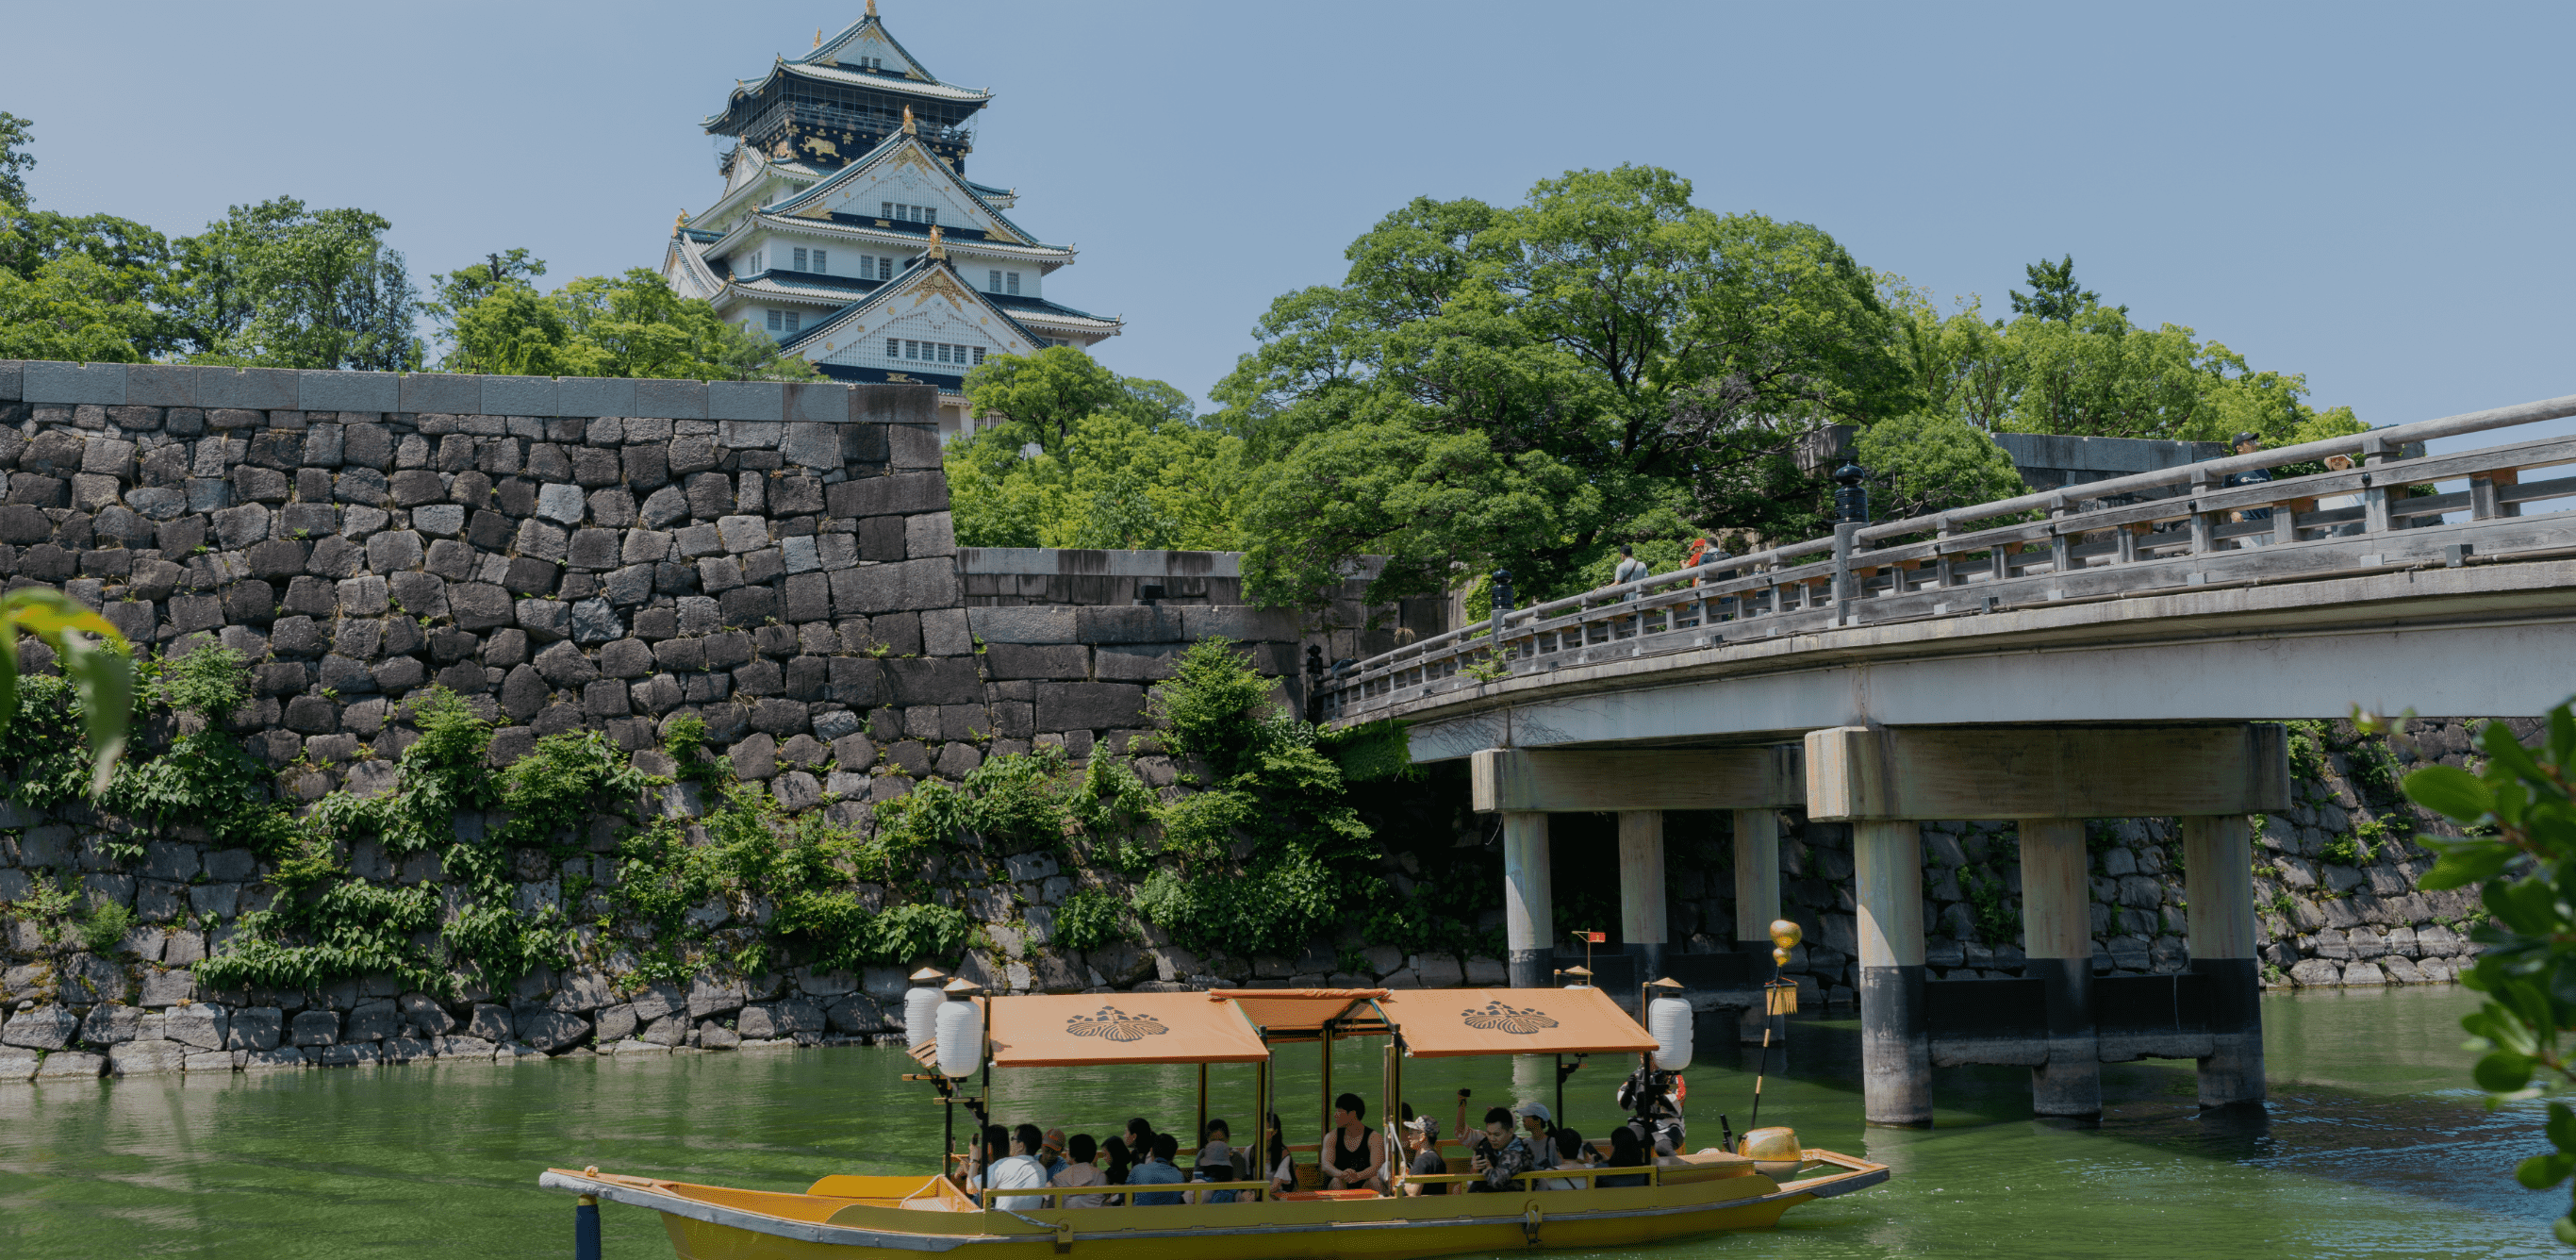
pixel 1595 937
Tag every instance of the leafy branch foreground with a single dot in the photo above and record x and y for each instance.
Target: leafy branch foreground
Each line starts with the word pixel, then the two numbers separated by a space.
pixel 2520 850
pixel 1266 855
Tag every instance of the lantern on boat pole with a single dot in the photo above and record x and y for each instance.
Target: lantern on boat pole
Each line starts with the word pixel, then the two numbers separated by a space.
pixel 921 1006
pixel 960 1047
pixel 1668 1021
pixel 1779 999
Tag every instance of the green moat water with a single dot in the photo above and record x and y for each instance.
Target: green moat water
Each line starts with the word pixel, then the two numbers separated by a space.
pixel 2374 1146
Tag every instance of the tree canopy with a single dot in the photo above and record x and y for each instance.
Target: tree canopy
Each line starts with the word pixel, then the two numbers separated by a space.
pixel 1071 454
pixel 1532 385
pixel 493 320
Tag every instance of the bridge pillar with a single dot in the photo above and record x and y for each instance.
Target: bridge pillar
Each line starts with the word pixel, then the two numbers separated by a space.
pixel 1642 930
pixel 2057 933
pixel 1895 1046
pixel 2218 881
pixel 1528 915
pixel 1757 902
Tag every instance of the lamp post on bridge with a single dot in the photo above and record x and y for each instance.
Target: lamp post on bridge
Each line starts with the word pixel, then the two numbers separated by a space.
pixel 1851 511
pixel 1502 607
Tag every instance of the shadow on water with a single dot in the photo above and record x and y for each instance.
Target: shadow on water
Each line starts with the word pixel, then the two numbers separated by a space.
pixel 2372 1147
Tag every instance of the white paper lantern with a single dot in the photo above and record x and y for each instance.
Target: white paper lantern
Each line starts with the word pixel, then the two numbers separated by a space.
pixel 1668 1020
pixel 921 1013
pixel 961 1038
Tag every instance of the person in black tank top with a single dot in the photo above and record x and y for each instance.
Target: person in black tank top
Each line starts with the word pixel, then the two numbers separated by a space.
pixel 1348 1164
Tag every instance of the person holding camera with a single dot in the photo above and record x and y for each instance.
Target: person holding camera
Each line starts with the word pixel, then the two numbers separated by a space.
pixel 1657 1118
pixel 1501 1155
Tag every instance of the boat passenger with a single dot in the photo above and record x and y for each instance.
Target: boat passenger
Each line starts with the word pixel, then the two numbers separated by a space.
pixel 1218 1170
pixel 1276 1158
pixel 1082 1169
pixel 1140 1140
pixel 1217 1142
pixel 982 1152
pixel 1159 1171
pixel 1538 1125
pixel 1625 1152
pixel 1501 1155
pixel 1120 1164
pixel 1570 1153
pixel 1052 1154
pixel 1422 1143
pixel 1020 1171
pixel 1354 1156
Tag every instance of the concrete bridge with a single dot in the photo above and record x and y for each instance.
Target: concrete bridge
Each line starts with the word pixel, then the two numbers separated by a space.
pixel 2046 658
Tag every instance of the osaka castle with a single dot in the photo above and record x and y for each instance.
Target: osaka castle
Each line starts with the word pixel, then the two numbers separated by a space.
pixel 849 232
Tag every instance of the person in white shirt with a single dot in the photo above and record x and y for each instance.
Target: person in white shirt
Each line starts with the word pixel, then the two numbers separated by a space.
pixel 1080 1172
pixel 1021 1171
pixel 2333 502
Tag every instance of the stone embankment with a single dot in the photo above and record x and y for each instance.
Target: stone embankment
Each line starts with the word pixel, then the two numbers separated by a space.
pixel 773 560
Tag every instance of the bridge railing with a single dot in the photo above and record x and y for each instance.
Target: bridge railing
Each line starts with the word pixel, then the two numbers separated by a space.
pixel 2094 541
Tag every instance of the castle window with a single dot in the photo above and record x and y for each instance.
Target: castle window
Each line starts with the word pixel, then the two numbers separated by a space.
pixel 755 263
pixel 800 260
pixel 885 210
pixel 885 269
pixel 1012 280
pixel 912 349
pixel 894 347
pixel 929 214
pixel 979 355
pixel 993 285
pixel 777 320
pixel 819 267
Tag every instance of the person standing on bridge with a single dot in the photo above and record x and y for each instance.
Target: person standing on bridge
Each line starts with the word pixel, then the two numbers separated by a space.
pixel 1631 569
pixel 2246 444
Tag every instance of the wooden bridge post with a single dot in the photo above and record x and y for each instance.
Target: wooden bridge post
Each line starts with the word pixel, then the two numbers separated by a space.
pixel 2057 934
pixel 2218 882
pixel 1528 913
pixel 1642 930
pixel 1895 1043
pixel 1757 902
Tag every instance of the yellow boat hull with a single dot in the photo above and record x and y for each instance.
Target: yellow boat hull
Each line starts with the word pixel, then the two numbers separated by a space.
pixel 847 1217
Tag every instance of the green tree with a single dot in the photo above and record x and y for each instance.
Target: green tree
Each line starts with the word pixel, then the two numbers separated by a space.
pixel 1606 334
pixel 2519 815
pixel 2054 293
pixel 1928 462
pixel 69 310
pixel 1135 471
pixel 280 285
pixel 630 325
pixel 15 134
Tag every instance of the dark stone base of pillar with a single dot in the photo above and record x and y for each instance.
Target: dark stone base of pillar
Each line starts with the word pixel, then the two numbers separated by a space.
pixel 1530 968
pixel 1895 1051
pixel 1649 956
pixel 2232 1075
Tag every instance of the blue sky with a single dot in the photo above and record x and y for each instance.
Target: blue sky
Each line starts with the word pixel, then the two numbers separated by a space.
pixel 2375 195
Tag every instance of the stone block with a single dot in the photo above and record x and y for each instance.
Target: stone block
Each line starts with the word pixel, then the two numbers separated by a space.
pixel 594 396
pixel 43 381
pixel 1066 706
pixel 159 385
pixel 1241 623
pixel 43 1028
pixel 251 1028
pixel 315 1028
pixel 442 393
pixel 1024 660
pixel 549 1031
pixel 1028 624
pixel 69 1065
pixel 746 400
pixel 675 400
pixel 147 1058
pixel 348 391
pixel 899 495
pixel 519 396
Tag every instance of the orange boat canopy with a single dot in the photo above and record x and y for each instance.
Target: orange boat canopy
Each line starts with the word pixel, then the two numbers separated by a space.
pixel 1444 1022
pixel 1080 1030
pixel 1292 1012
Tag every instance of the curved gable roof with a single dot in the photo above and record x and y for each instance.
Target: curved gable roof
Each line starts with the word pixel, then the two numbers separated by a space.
pixel 808 202
pixel 911 281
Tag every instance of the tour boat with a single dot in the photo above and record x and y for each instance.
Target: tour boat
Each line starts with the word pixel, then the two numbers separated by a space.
pixel 850 1216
